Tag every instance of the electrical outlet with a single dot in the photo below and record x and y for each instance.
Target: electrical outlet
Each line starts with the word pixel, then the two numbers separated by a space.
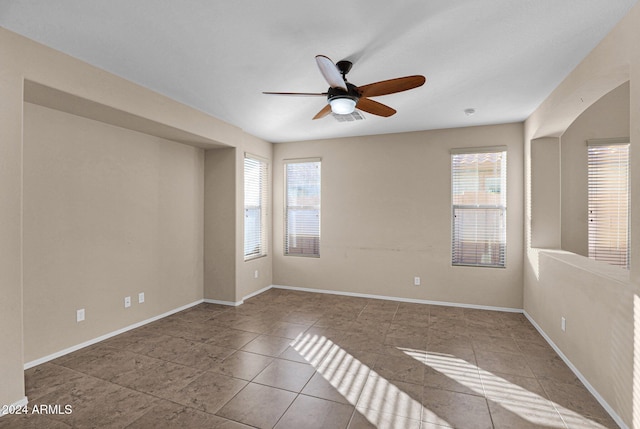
pixel 563 324
pixel 80 315
pixel 416 281
pixel 127 301
pixel 140 297
pixel 255 274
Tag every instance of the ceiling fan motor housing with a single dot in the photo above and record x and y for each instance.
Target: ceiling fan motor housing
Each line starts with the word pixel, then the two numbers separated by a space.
pixel 352 93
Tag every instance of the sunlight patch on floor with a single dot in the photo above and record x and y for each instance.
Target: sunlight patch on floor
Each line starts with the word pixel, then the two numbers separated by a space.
pixel 520 401
pixel 384 404
pixel 380 401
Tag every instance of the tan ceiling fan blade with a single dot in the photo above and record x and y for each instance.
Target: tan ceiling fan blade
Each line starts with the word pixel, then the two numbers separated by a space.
pixel 330 72
pixel 297 94
pixel 391 86
pixel 374 107
pixel 324 112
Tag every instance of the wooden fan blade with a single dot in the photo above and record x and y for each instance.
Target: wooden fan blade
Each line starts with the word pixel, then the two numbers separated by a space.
pixel 297 94
pixel 324 112
pixel 330 72
pixel 374 107
pixel 391 86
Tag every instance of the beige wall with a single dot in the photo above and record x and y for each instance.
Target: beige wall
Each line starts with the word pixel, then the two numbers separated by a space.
pixel 220 226
pixel 603 329
pixel 386 218
pixel 228 277
pixel 606 118
pixel 545 192
pixel 247 283
pixel 108 213
pixel 11 352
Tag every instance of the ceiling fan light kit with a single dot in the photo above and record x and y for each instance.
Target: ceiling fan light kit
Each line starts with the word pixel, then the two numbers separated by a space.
pixel 343 102
pixel 342 105
pixel 344 97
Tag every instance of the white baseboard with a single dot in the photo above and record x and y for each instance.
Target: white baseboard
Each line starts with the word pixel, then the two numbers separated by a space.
pixel 578 374
pixel 68 350
pixel 393 298
pixel 106 336
pixel 571 366
pixel 589 387
pixel 237 303
pixel 16 405
pixel 227 303
pixel 258 292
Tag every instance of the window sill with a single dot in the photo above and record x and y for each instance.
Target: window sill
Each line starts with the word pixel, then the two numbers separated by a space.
pixel 500 267
pixel 302 255
pixel 598 268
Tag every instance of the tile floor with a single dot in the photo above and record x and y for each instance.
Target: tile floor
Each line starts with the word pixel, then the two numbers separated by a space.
pixel 290 359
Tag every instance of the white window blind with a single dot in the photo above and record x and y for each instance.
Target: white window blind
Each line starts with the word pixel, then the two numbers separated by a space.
pixel 256 194
pixel 302 211
pixel 608 178
pixel 479 208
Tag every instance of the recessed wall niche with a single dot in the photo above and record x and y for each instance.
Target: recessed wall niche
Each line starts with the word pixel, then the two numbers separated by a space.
pixel 606 118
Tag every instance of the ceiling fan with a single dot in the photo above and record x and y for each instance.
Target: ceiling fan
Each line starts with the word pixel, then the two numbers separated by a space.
pixel 343 97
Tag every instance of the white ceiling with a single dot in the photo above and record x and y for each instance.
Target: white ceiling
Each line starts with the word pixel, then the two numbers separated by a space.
pixel 500 57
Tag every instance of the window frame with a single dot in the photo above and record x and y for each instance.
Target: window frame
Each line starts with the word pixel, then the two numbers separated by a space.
pixel 458 261
pixel 263 207
pixel 286 237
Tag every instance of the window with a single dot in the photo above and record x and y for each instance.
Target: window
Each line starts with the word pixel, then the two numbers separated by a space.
pixel 256 193
pixel 608 185
pixel 302 208
pixel 479 206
